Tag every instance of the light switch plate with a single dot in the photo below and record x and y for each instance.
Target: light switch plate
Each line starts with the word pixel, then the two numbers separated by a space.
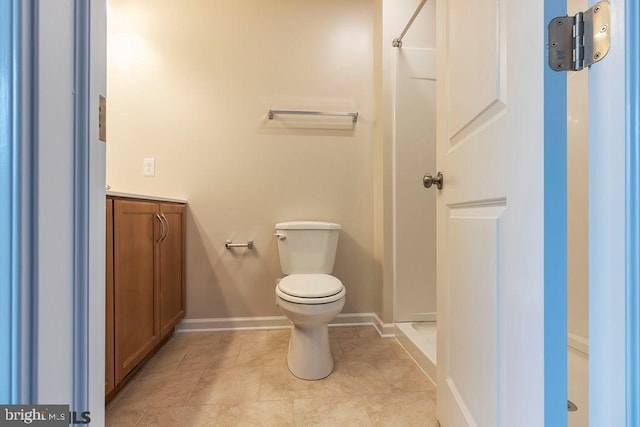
pixel 148 166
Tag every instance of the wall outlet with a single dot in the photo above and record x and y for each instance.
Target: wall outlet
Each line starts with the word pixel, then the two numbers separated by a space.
pixel 148 166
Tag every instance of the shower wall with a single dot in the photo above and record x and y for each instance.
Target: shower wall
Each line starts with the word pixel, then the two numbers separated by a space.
pixel 415 213
pixel 409 152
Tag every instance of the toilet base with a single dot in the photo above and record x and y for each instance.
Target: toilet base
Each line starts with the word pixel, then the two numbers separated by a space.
pixel 309 356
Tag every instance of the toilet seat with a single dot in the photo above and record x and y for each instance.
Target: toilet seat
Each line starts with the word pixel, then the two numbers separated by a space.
pixel 310 288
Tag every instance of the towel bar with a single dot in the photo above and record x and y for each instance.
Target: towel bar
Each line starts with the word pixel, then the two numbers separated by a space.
pixel 354 116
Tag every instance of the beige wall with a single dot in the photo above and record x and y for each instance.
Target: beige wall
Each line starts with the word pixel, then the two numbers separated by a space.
pixel 190 83
pixel 378 161
pixel 577 201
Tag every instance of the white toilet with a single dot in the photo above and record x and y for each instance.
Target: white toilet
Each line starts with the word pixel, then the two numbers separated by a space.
pixel 309 296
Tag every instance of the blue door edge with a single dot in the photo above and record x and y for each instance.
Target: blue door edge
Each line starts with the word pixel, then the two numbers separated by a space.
pixel 632 214
pixel 555 234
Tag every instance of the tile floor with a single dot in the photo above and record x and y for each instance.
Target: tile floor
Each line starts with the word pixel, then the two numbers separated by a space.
pixel 241 379
pixel 578 387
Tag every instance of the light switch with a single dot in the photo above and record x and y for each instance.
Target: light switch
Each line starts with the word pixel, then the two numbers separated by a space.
pixel 148 166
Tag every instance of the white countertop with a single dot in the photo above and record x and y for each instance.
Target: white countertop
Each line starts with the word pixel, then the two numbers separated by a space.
pixel 144 197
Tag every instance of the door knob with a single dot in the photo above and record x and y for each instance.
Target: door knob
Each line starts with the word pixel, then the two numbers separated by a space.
pixel 428 180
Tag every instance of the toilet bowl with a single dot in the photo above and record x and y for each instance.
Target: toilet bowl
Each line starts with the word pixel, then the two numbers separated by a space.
pixel 308 295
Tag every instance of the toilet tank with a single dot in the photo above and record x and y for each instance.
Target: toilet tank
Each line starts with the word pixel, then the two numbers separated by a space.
pixel 307 246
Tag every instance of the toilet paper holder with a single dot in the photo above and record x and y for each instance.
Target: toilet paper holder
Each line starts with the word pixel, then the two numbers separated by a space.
pixel 228 244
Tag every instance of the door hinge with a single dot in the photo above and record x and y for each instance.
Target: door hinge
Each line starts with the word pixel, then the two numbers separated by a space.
pixel 102 119
pixel 579 41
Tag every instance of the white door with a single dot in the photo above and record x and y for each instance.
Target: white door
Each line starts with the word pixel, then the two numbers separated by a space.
pixel 490 213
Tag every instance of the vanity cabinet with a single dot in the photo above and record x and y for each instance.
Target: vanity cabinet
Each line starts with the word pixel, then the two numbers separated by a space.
pixel 148 247
pixel 171 265
pixel 109 335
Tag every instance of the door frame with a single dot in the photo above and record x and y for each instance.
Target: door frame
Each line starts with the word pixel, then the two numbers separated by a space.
pixel 52 266
pixel 632 224
pixel 18 295
pixel 614 243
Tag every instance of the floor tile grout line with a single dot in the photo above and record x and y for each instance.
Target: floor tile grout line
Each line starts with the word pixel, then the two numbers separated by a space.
pixel 181 359
pixel 144 412
pixel 235 358
pixel 119 397
pixel 344 354
pixel 194 388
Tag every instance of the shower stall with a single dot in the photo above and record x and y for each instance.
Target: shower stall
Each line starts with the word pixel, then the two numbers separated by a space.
pixel 412 85
pixel 413 73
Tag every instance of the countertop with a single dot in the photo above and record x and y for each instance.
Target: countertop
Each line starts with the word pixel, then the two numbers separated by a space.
pixel 112 193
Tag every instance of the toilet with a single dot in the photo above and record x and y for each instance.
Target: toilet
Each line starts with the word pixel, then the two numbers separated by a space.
pixel 308 295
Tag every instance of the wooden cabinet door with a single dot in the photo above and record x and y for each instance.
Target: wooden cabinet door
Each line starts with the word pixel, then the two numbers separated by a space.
pixel 136 233
pixel 109 336
pixel 172 267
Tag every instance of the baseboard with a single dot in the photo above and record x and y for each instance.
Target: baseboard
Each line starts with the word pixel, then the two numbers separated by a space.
pixel 233 323
pixel 578 343
pixel 386 330
pixel 281 322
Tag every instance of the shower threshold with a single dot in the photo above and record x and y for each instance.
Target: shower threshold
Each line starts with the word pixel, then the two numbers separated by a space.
pixel 419 339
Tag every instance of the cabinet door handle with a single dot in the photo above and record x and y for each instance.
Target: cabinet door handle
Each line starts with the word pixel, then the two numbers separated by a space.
pixel 162 230
pixel 166 222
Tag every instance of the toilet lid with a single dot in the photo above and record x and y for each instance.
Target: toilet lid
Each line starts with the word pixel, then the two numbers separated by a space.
pixel 310 285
